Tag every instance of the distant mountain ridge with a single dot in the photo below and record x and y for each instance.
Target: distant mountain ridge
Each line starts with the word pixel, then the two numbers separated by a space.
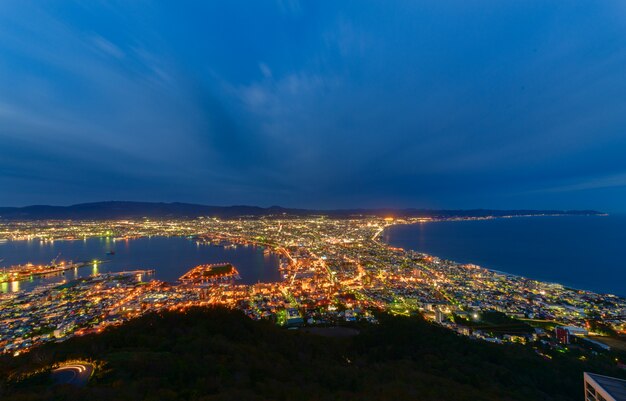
pixel 134 210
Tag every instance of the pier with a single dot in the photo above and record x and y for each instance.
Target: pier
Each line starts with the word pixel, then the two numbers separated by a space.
pixel 24 272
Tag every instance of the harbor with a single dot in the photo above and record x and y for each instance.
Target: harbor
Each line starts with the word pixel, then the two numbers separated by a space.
pixel 29 270
pixel 171 256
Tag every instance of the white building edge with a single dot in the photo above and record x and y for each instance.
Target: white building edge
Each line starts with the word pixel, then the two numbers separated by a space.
pixel 604 388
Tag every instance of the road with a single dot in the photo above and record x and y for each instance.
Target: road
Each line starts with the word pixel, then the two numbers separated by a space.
pixel 76 374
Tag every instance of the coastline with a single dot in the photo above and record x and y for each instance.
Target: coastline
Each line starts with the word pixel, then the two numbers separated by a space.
pixel 385 231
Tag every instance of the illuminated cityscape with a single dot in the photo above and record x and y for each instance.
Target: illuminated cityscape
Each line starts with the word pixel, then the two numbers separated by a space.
pixel 313 200
pixel 333 270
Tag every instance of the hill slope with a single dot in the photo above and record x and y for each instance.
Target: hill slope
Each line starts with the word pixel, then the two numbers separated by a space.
pixel 217 354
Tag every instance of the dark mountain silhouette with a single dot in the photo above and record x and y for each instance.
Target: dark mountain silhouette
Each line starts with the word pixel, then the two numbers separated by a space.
pixel 220 354
pixel 131 210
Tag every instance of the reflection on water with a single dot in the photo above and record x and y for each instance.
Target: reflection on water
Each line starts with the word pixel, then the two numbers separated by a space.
pixel 170 257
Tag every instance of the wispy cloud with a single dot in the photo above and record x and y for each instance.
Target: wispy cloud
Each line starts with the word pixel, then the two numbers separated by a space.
pixel 412 102
pixel 291 7
pixel 107 47
pixel 610 181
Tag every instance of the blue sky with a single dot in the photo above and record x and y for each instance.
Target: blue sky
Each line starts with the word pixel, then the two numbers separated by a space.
pixel 439 104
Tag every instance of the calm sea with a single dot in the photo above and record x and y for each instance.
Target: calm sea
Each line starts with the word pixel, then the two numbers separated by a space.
pixel 586 252
pixel 171 257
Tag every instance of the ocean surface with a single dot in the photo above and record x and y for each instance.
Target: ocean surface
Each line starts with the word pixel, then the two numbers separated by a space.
pixel 171 257
pixel 585 252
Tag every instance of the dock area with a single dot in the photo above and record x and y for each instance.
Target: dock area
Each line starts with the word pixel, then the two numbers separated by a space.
pixel 24 272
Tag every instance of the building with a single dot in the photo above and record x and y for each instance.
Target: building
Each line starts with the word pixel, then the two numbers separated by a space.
pixel 562 335
pixel 598 344
pixel 440 317
pixel 294 318
pixel 576 331
pixel 604 388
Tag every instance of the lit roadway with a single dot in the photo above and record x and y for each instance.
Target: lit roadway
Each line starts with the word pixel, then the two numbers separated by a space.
pixel 76 374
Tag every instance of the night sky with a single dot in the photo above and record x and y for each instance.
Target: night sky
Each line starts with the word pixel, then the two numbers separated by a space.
pixel 325 104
